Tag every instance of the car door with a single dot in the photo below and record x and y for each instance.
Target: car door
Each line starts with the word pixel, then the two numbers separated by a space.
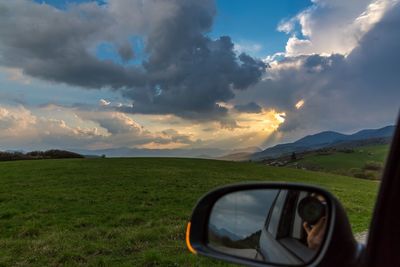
pixel 383 246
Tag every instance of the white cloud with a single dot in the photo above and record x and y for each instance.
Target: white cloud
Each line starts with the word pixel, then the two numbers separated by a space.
pixel 247 47
pixel 46 128
pixel 113 122
pixel 104 102
pixel 372 15
pixel 300 104
pixel 295 45
pixel 286 26
pixel 21 129
pixel 332 26
pixel 16 119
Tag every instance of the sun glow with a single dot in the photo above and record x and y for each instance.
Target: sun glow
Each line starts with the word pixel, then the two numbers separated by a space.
pixel 300 104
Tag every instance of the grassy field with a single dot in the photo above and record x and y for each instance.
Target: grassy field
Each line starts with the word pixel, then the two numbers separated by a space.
pixel 129 212
pixel 346 163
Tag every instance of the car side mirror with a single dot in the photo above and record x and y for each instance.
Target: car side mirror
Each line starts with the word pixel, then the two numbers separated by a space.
pixel 264 224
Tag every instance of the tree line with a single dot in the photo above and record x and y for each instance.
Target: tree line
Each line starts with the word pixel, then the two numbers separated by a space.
pixel 48 154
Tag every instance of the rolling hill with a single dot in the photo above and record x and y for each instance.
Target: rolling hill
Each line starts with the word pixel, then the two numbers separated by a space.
pixel 327 139
pixel 362 162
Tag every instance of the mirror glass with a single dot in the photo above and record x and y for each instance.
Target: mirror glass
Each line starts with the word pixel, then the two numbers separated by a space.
pixel 276 226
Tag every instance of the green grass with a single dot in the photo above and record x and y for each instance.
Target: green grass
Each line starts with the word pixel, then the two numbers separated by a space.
pixel 345 163
pixel 129 212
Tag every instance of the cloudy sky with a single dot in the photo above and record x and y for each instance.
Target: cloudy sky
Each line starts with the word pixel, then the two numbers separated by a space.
pixel 188 74
pixel 242 213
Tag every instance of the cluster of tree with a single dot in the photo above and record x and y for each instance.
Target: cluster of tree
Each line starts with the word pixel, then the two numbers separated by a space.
pixel 372 171
pixel 49 154
pixel 373 166
pixel 330 150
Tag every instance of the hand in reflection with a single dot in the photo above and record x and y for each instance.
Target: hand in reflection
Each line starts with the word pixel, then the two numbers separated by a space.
pixel 315 233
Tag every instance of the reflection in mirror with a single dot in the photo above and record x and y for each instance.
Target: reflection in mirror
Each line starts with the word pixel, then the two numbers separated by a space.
pixel 277 226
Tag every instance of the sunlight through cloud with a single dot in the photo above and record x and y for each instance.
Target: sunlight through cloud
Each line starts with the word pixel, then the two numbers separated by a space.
pixel 299 104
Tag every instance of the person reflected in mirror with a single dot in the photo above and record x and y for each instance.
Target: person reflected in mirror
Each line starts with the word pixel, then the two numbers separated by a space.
pixel 316 231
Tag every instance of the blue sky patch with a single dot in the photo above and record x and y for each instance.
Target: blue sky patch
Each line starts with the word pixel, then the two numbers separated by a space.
pixel 252 24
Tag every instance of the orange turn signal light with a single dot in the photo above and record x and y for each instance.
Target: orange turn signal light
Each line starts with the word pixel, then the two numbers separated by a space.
pixel 189 246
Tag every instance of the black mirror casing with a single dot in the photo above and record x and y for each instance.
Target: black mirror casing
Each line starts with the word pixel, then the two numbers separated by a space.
pixel 339 249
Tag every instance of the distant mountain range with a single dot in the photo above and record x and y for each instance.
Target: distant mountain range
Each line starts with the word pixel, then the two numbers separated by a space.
pixel 222 232
pixel 240 155
pixel 207 153
pixel 326 139
pixel 308 143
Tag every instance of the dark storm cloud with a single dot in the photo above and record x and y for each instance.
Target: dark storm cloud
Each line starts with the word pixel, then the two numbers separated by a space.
pixel 189 72
pixel 250 107
pixel 54 45
pixel 126 52
pixel 186 73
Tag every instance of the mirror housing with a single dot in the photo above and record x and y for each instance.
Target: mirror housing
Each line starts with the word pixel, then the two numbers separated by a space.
pixel 339 248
